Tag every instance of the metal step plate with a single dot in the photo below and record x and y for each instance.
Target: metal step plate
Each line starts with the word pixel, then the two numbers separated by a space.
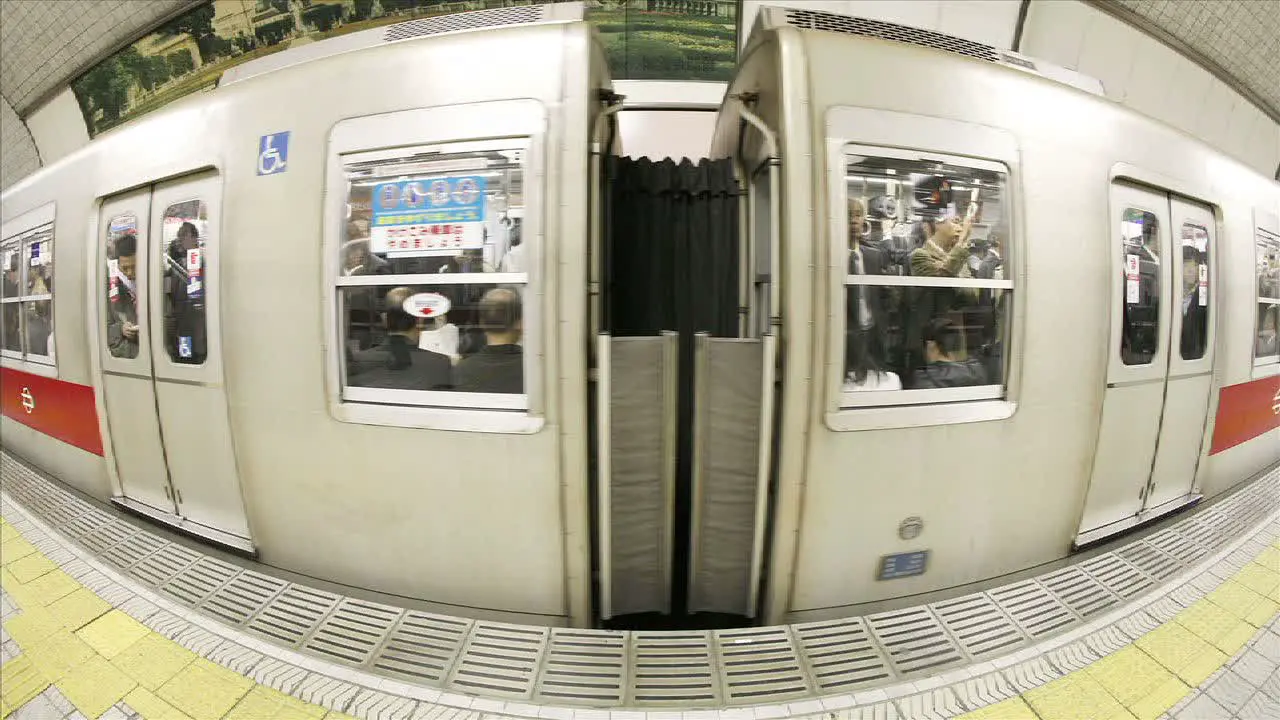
pixel 915 641
pixel 500 659
pixel 1078 591
pixel 584 666
pixel 422 647
pixel 760 665
pixel 673 668
pixel 199 581
pixel 353 631
pixel 242 597
pixel 293 614
pixel 1035 610
pixel 979 626
pixel 841 655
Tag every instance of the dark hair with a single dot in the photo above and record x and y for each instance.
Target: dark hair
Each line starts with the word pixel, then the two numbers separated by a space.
pixel 127 245
pixel 499 310
pixel 945 334
pixel 1189 252
pixel 396 318
pixel 189 229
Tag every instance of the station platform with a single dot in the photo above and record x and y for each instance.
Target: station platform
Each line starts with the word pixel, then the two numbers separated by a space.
pixel 104 616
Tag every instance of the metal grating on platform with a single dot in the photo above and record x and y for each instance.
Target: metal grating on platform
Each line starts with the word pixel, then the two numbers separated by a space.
pixel 979 625
pixel 584 666
pixel 500 659
pixel 1078 591
pixel 1117 575
pixel 292 614
pixel 915 640
pixel 645 670
pixel 1033 608
pixel 198 581
pixel 423 647
pixel 353 630
pixel 241 598
pixel 673 667
pixel 841 654
pixel 1150 560
pixel 760 663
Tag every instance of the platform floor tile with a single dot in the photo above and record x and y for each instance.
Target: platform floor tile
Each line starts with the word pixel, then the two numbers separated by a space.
pixel 94 685
pixel 153 660
pixel 205 691
pixel 79 608
pixel 20 681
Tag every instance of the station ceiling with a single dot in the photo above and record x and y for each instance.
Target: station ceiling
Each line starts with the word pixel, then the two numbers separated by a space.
pixel 44 44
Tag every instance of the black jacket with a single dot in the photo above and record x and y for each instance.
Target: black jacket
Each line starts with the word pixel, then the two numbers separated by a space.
pixel 398 365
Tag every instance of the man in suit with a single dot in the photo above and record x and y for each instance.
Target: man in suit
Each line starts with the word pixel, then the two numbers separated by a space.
pixel 1194 308
pixel 397 363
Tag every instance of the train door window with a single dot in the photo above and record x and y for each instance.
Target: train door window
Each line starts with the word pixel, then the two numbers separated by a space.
pixel 1195 291
pixel 26 296
pixel 433 273
pixel 1140 286
pixel 183 236
pixel 121 252
pixel 925 299
pixel 1266 350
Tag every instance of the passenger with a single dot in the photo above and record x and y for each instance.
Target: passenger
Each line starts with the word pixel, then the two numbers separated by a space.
pixel 514 259
pixel 1268 342
pixel 122 311
pixel 866 355
pixel 10 286
pixel 398 363
pixel 1195 313
pixel 941 369
pixel 362 303
pixel 499 366
pixel 946 252
pixel 184 320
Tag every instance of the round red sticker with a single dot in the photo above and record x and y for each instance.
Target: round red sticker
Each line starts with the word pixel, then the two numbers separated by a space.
pixel 426 305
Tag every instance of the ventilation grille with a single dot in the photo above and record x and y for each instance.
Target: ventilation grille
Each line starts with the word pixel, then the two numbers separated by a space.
pixel 979 626
pixel 520 15
pixel 830 22
pixel 1078 591
pixel 1038 612
pixel 584 666
pixel 672 667
pixel 353 631
pixel 915 640
pixel 243 597
pixel 841 654
pixel 292 614
pixel 500 659
pixel 423 646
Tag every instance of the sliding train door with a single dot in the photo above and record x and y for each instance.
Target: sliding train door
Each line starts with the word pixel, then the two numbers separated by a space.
pixel 684 401
pixel 162 376
pixel 1160 364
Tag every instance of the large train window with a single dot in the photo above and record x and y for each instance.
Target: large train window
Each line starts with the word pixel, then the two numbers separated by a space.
pixel 926 302
pixel 1140 285
pixel 121 251
pixel 26 296
pixel 1266 350
pixel 432 276
pixel 183 236
pixel 1195 291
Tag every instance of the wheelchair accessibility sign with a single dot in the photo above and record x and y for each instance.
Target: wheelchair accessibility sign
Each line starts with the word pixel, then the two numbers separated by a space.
pixel 273 153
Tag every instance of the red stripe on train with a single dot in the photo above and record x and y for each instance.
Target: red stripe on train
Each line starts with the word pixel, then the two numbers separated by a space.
pixel 1246 411
pixel 57 408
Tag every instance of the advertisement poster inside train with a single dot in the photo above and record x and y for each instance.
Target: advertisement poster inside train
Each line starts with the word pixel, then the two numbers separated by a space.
pixel 428 216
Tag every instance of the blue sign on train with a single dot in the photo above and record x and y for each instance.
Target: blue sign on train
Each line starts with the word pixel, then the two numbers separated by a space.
pixel 429 201
pixel 903 565
pixel 273 153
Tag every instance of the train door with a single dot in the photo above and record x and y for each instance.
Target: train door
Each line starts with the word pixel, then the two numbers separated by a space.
pixel 1160 365
pixel 162 381
pixel 684 402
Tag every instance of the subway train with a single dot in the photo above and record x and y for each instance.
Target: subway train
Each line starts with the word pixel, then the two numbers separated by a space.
pixel 359 315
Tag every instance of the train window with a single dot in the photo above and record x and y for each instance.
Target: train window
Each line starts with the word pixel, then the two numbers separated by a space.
pixel 926 302
pixel 1266 344
pixel 432 274
pixel 1140 287
pixel 1195 291
pixel 26 296
pixel 121 252
pixel 183 239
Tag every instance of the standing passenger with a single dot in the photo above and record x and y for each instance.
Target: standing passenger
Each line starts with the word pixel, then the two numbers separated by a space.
pixel 122 310
pixel 498 367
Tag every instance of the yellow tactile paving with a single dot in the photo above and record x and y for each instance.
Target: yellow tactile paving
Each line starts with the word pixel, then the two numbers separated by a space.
pixel 57 654
pixel 150 707
pixel 264 702
pixel 112 633
pixel 1141 684
pixel 8 532
pixel 1183 652
pixel 20 681
pixel 15 549
pixel 94 685
pixel 1260 579
pixel 30 567
pixel 33 625
pixel 153 660
pixel 79 608
pixel 51 587
pixel 1217 626
pixel 1076 696
pixel 205 691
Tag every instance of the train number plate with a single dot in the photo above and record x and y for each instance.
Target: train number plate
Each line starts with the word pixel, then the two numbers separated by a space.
pixel 903 565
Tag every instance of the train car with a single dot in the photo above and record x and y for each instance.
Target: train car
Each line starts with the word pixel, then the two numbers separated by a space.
pixel 1015 318
pixel 392 310
pixel 287 319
